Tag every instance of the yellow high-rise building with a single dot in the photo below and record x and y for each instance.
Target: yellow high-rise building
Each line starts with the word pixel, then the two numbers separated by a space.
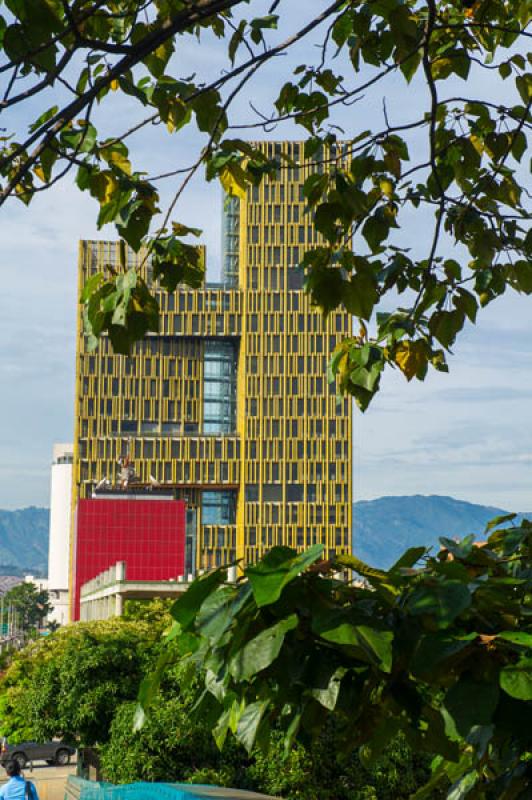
pixel 228 406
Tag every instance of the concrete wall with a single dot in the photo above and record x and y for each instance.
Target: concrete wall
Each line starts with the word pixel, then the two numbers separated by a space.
pixel 60 519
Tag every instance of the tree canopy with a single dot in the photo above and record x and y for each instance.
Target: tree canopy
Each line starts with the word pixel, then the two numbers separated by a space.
pixel 81 684
pixel 452 162
pixel 70 683
pixel 31 604
pixel 438 648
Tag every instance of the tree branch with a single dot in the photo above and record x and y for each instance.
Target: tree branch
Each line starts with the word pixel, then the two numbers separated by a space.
pixel 48 81
pixel 203 10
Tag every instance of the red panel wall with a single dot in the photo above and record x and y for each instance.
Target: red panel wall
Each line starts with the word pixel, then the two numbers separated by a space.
pixel 149 535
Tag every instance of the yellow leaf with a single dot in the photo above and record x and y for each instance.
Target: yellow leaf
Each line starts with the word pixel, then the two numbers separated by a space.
pixel 233 180
pixel 103 186
pixel 478 144
pixel 23 193
pixel 114 85
pixel 120 161
pixel 117 159
pixel 343 365
pixel 386 187
pixel 177 114
pixel 442 68
pixel 40 173
pixel 411 357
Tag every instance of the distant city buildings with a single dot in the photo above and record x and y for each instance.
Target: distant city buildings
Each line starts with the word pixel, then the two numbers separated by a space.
pixel 219 437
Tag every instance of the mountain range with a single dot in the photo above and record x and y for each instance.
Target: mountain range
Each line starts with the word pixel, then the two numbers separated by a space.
pixel 382 529
pixel 24 541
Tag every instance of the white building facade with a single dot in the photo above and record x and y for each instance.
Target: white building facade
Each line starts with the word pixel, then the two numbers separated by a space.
pixel 60 522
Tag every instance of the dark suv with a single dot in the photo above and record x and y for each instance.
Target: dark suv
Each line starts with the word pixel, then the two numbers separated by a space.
pixel 57 753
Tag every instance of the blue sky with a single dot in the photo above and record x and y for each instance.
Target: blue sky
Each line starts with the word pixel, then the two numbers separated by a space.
pixel 466 434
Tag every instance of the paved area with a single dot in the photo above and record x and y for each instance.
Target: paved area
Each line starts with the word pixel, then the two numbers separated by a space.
pixel 50 781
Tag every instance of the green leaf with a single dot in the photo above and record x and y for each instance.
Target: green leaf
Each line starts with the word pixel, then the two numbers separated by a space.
pixel 521 638
pixel 280 566
pixel 409 558
pixel 337 627
pixel 470 703
pixel 463 786
pixel 359 566
pixel 505 70
pixel 379 642
pixel 496 521
pixel 438 651
pixel 342 29
pixel 221 728
pixel 186 607
pixel 360 295
pixel 516 679
pixel 444 325
pixel 91 286
pixel 409 65
pixel 149 689
pixel 327 695
pixel 441 601
pixel 218 611
pixel 262 650
pixel 519 145
pixel 157 60
pixel 43 118
pixel 236 40
pixel 467 303
pixel 249 723
pixel 375 231
pixel 520 275
pixel 523 84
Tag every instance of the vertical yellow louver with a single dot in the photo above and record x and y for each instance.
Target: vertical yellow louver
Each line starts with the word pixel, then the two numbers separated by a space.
pixel 228 405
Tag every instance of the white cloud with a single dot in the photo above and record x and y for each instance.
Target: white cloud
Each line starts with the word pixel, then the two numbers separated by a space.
pixel 465 434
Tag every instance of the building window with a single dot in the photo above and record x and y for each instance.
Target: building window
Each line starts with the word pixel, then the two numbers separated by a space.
pixel 147 426
pixel 294 493
pixel 218 508
pixel 252 493
pixel 219 387
pixel 295 279
pixel 272 492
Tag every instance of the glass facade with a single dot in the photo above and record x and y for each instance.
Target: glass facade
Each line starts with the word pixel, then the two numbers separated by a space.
pixel 191 541
pixel 218 508
pixel 219 387
pixel 230 241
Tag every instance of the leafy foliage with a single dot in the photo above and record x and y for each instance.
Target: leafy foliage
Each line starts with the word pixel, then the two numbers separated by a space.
pixel 45 682
pixel 29 603
pixel 174 745
pixel 454 166
pixel 440 652
pixel 70 683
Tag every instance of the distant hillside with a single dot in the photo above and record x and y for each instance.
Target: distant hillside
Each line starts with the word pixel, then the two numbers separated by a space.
pixel 384 528
pixel 24 541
